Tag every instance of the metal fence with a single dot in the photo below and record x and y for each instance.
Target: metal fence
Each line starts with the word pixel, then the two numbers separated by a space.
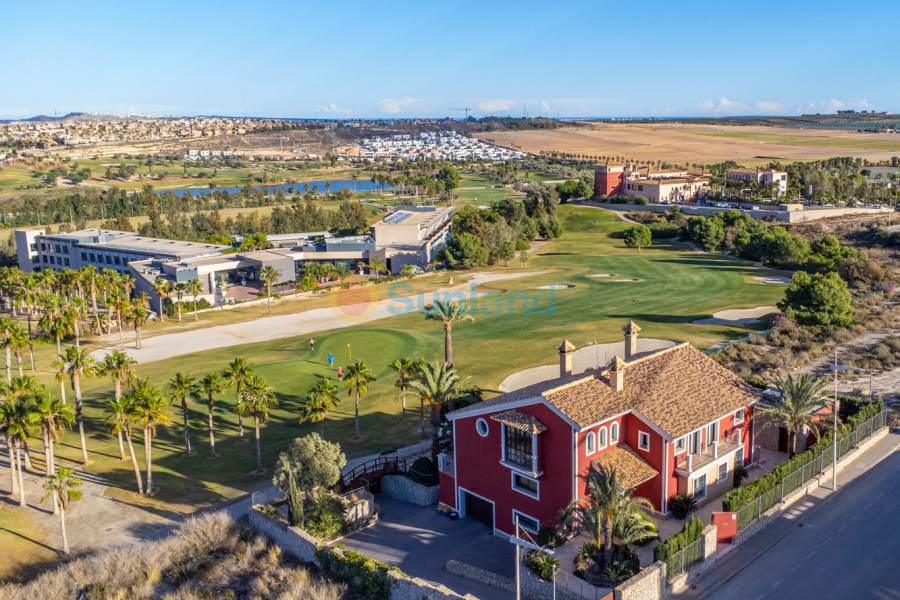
pixel 266 496
pixel 794 481
pixel 579 586
pixel 684 559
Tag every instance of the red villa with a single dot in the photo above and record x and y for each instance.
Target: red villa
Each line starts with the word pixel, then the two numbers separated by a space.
pixel 668 421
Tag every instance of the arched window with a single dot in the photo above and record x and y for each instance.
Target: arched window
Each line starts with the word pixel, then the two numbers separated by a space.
pixel 614 433
pixel 603 437
pixel 590 442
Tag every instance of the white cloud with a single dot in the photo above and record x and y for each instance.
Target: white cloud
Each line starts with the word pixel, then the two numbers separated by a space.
pixel 490 106
pixel 832 105
pixel 397 105
pixel 333 108
pixel 771 107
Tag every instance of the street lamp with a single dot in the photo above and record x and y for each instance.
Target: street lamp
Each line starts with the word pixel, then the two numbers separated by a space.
pixel 836 367
pixel 520 543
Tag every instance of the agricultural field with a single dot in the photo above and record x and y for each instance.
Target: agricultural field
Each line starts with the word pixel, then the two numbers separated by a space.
pixel 694 143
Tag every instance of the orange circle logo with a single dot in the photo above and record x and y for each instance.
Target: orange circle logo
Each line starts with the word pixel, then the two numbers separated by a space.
pixel 354 305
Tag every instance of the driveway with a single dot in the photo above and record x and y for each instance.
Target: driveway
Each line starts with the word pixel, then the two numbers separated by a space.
pixel 420 542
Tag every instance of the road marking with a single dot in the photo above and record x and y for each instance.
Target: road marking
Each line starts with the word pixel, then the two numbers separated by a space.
pixel 843 527
pixel 795 568
pixel 855 517
pixel 879 495
pixel 867 506
pixel 776 584
pixel 826 541
pixel 810 555
pixel 761 596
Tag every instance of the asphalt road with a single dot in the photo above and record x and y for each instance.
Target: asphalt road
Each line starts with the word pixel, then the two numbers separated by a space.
pixel 847 547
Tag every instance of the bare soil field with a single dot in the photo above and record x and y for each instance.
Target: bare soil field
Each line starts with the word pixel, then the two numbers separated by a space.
pixel 675 142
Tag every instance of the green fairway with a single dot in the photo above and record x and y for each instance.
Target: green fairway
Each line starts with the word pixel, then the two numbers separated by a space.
pixel 480 191
pixel 890 144
pixel 677 286
pixel 747 135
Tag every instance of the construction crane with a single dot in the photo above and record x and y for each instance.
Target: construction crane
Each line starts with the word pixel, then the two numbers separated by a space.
pixel 466 109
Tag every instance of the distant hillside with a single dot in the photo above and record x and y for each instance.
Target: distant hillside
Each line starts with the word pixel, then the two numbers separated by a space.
pixel 848 120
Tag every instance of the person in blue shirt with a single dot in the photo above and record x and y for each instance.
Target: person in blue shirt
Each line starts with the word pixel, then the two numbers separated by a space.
pixel 330 359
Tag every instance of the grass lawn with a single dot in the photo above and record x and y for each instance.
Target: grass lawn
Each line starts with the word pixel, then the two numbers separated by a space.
pixel 480 191
pixel 20 539
pixel 765 137
pixel 889 144
pixel 677 286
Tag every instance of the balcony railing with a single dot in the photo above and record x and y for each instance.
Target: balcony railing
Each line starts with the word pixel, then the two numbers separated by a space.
pixel 689 463
pixel 519 458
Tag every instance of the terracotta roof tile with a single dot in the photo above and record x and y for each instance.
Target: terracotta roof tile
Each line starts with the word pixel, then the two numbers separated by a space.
pixel 520 421
pixel 632 469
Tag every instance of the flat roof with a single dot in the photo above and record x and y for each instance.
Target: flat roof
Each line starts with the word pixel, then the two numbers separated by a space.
pixel 407 217
pixel 156 245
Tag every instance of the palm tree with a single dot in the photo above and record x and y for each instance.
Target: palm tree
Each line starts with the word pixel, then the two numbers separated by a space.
pixel 236 374
pixel 269 276
pixel 161 288
pixel 634 526
pixel 19 342
pixel 342 271
pixel 606 498
pixel 52 416
pixel 90 277
pixel 208 387
pixel 138 315
pixel 438 385
pixel 61 487
pixel 406 369
pixel 120 422
pixel 8 330
pixel 179 290
pixel 256 398
pixel 120 368
pixel 56 321
pixel 194 288
pixel 16 423
pixel 357 378
pixel 322 399
pixel 377 266
pixel 122 307
pixel 795 407
pixel 150 410
pixel 447 313
pixel 78 364
pixel 180 386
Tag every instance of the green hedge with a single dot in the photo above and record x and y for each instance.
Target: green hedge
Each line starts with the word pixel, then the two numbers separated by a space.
pixel 741 497
pixel 689 534
pixel 367 575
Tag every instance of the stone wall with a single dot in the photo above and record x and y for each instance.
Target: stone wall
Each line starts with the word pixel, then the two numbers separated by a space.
pixel 649 584
pixel 532 585
pixel 413 588
pixel 403 488
pixel 290 539
pixel 749 530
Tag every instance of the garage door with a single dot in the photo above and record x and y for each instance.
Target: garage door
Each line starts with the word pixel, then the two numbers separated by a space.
pixel 479 509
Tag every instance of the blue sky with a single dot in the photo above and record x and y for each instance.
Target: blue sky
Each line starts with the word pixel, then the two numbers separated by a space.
pixel 348 59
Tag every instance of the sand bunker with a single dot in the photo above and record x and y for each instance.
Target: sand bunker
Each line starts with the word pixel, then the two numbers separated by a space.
pixel 602 275
pixel 746 316
pixel 556 286
pixel 773 280
pixel 625 280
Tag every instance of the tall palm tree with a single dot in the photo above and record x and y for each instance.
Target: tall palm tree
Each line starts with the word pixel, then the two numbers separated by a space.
pixel 194 288
pixel 17 425
pixel 320 400
pixel 179 289
pixel 123 410
pixel 19 342
pixel 256 398
pixel 180 387
pixel 236 374
pixel 120 368
pixel 439 386
pixel 23 390
pixel 208 387
pixel 150 410
pixel 52 416
pixel 795 407
pixel 269 276
pixel 56 321
pixel 121 306
pixel 162 289
pixel 90 277
pixel 448 313
pixel 606 498
pixel 406 369
pixel 357 378
pixel 138 315
pixel 62 488
pixel 78 364
pixel 8 330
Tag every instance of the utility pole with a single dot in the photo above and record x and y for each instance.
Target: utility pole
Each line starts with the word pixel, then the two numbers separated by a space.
pixel 836 367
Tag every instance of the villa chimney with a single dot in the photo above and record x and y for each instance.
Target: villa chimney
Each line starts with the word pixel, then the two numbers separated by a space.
pixel 615 371
pixel 566 349
pixel 631 340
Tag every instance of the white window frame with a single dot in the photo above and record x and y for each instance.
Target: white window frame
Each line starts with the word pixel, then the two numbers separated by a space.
pixel 741 452
pixel 536 495
pixel 644 447
pixel 720 476
pixel 602 438
pixel 712 431
pixel 487 427
pixel 521 514
pixel 590 443
pixel 739 416
pixel 705 486
pixel 682 441
pixel 614 433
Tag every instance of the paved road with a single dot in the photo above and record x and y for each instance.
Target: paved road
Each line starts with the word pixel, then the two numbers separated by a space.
pixel 841 547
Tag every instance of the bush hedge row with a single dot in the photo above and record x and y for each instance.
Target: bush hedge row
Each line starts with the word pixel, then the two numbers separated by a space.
pixel 367 575
pixel 689 534
pixel 741 497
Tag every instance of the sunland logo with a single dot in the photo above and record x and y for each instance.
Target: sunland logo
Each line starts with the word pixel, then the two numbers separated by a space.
pixel 358 305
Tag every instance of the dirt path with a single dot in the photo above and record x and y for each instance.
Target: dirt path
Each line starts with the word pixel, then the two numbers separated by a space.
pixel 166 346
pixel 819 366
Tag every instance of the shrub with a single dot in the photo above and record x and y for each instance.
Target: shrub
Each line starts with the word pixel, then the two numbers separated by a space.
pixel 740 474
pixel 171 308
pixel 689 534
pixel 683 505
pixel 326 517
pixel 547 537
pixel 755 382
pixel 369 576
pixel 542 565
pixel 641 200
pixel 423 471
pixel 522 245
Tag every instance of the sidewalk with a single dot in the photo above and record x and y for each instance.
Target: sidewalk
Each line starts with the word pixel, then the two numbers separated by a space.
pixel 735 558
pixel 239 509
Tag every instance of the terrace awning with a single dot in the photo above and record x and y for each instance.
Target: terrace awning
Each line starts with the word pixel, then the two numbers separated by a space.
pixel 520 421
